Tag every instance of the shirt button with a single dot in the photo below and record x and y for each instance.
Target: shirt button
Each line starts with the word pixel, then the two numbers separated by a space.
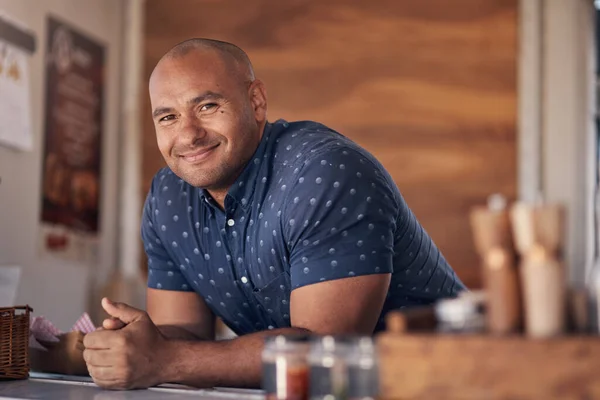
pixel 230 222
pixel 244 279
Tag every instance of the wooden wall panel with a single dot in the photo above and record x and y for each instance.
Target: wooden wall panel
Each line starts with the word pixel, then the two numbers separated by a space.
pixel 427 86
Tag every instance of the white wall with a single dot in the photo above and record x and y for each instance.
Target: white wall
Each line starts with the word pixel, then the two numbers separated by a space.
pixel 56 289
pixel 568 104
pixel 556 117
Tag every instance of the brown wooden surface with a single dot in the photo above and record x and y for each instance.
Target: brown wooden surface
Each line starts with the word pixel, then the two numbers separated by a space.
pixel 411 320
pixel 427 86
pixel 490 368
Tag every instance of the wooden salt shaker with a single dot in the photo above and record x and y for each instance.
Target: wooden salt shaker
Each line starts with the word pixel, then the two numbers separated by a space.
pixel 493 241
pixel 538 237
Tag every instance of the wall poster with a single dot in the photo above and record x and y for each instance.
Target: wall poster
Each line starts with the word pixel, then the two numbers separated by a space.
pixel 71 168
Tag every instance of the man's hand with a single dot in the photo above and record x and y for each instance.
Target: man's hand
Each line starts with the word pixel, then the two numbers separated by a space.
pixel 113 324
pixel 127 358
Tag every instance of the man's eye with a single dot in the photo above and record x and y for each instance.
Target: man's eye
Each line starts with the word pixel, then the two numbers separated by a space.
pixel 208 106
pixel 167 118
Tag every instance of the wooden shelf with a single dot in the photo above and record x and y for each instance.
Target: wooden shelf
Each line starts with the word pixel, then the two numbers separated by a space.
pixel 432 366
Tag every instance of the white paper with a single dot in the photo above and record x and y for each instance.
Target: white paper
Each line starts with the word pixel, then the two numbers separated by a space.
pixel 9 283
pixel 80 247
pixel 15 108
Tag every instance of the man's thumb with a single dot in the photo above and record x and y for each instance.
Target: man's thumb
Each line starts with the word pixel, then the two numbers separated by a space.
pixel 122 311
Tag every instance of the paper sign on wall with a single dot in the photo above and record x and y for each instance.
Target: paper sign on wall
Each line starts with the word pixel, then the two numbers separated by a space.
pixel 16 45
pixel 71 165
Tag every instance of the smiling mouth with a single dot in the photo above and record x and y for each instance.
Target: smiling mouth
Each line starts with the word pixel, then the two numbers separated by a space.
pixel 199 155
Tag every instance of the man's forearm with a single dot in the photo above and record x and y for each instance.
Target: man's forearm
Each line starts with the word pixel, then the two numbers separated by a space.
pixel 180 333
pixel 235 362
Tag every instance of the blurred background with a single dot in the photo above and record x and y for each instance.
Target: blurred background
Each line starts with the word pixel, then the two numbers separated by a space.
pixel 458 99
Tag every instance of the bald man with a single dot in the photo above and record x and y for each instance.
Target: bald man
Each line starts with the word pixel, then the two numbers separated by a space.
pixel 275 227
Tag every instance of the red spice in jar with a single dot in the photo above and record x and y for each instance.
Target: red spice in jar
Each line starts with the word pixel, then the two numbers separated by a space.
pixel 285 368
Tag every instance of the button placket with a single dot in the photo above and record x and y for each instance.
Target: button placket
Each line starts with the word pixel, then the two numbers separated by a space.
pixel 236 251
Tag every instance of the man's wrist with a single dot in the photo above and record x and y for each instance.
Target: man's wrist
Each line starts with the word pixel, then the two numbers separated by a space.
pixel 170 362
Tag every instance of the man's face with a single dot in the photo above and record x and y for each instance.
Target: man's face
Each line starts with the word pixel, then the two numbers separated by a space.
pixel 208 121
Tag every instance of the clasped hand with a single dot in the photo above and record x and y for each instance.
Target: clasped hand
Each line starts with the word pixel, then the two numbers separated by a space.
pixel 127 352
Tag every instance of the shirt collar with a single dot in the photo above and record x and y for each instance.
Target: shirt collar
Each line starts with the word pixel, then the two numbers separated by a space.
pixel 242 190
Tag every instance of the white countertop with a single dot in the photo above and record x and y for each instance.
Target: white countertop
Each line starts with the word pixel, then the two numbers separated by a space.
pixel 61 387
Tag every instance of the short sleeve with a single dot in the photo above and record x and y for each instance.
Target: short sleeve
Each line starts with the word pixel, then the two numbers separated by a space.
pixel 162 271
pixel 339 219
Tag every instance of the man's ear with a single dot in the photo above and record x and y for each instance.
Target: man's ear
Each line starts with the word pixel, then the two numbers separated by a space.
pixel 258 97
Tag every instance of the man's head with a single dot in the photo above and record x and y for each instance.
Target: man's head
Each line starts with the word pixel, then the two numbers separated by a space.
pixel 208 110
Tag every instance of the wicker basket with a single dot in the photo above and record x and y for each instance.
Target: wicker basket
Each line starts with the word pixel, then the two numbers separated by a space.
pixel 14 342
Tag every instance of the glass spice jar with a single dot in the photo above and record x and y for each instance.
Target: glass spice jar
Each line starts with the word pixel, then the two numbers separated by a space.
pixel 363 369
pixel 285 367
pixel 328 370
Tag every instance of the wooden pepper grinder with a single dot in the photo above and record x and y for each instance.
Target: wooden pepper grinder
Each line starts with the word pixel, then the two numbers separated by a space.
pixel 493 241
pixel 538 233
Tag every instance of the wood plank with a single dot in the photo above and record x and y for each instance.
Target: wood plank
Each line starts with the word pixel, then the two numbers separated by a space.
pixel 486 367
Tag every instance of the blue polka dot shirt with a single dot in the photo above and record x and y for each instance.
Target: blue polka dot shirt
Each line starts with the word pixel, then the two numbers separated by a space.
pixel 310 206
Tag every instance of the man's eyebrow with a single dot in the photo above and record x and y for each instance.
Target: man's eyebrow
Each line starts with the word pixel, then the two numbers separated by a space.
pixel 208 95
pixel 161 110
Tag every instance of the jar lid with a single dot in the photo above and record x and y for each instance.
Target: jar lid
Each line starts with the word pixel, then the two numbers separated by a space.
pixel 456 310
pixel 361 344
pixel 284 340
pixel 331 344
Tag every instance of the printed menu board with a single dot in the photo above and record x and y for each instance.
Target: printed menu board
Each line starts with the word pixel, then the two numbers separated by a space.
pixel 71 166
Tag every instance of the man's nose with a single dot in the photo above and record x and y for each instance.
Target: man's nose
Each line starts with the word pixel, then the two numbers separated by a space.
pixel 191 130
